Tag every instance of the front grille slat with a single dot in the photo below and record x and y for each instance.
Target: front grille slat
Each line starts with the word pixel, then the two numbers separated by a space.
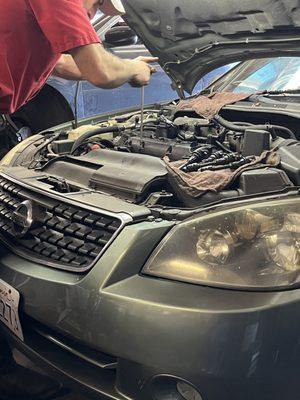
pixel 63 236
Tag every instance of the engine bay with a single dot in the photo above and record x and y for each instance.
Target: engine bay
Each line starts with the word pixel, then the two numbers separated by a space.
pixel 161 158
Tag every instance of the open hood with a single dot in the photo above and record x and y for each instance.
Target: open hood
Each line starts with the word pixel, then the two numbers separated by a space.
pixel 193 37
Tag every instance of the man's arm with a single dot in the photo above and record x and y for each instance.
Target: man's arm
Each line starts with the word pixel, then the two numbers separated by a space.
pixel 107 71
pixel 66 68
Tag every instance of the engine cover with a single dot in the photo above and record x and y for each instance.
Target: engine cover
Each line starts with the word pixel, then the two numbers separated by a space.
pixel 132 176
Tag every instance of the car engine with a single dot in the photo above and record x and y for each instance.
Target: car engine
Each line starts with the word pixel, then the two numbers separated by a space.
pixel 154 163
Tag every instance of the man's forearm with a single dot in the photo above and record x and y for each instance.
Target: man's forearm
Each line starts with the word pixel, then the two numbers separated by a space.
pixel 66 68
pixel 102 68
pixel 120 71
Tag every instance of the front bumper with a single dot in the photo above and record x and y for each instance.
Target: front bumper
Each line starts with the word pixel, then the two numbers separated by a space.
pixel 115 334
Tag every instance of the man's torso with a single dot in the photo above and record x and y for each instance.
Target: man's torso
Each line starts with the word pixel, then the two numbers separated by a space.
pixel 26 56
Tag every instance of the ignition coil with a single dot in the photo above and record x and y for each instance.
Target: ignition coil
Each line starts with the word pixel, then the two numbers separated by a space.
pixel 232 165
pixel 198 155
pixel 215 156
pixel 228 158
pixel 195 166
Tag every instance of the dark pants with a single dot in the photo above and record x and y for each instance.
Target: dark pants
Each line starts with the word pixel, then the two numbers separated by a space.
pixel 8 139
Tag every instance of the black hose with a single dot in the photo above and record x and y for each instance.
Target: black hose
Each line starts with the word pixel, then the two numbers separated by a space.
pixel 223 147
pixel 242 128
pixel 52 137
pixel 284 129
pixel 230 125
pixel 243 123
pixel 99 131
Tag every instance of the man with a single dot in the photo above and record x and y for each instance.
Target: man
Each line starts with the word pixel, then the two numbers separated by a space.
pixel 35 33
pixel 40 37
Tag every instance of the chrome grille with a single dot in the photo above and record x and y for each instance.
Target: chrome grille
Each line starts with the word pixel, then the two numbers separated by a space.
pixel 62 236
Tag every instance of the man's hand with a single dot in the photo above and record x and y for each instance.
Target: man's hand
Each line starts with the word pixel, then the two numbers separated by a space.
pixel 143 71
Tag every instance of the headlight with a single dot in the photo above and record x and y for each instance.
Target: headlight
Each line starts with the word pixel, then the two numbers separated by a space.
pixel 247 247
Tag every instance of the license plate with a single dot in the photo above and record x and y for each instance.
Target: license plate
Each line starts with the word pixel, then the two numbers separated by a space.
pixel 9 308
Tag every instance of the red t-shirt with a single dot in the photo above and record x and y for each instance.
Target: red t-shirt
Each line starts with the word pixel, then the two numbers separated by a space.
pixel 33 34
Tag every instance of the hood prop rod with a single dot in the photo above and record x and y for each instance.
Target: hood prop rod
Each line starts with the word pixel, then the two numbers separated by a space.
pixel 142 111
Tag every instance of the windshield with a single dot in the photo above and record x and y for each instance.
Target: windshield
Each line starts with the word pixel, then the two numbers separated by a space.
pixel 282 73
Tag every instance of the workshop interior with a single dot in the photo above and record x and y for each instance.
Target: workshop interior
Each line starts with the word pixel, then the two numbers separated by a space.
pixel 152 251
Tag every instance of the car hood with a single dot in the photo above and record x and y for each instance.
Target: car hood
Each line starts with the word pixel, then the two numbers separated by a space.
pixel 193 37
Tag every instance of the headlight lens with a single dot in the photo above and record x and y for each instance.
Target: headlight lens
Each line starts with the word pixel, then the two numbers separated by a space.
pixel 248 247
